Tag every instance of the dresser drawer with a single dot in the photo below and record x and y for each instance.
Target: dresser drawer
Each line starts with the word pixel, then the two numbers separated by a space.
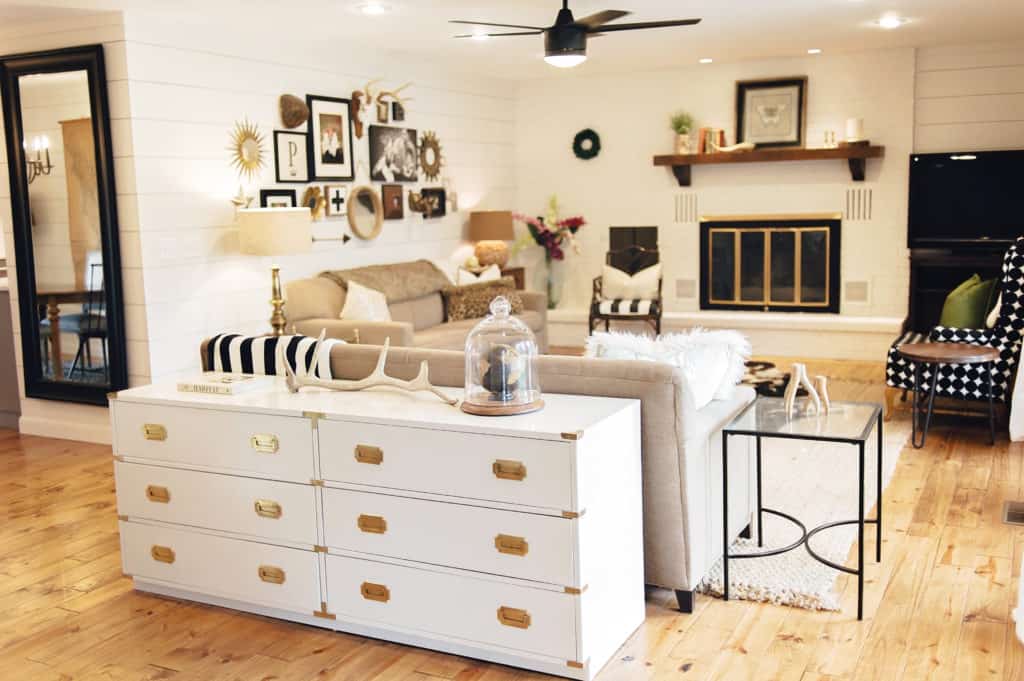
pixel 521 545
pixel 268 509
pixel 507 469
pixel 274 576
pixel 455 605
pixel 279 447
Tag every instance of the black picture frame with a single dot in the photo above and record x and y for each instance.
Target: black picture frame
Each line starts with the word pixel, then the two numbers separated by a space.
pixel 300 154
pixel 267 194
pixel 90 59
pixel 432 196
pixel 397 112
pixel 743 87
pixel 343 108
pixel 392 196
pixel 380 139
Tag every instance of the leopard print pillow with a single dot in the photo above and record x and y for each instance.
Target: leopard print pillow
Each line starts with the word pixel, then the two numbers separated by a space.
pixel 473 301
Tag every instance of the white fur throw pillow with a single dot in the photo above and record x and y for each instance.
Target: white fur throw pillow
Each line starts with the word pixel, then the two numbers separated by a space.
pixel 712 361
pixel 616 284
pixel 365 304
pixel 464 276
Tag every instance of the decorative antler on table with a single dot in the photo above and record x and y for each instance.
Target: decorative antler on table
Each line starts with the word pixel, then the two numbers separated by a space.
pixel 375 379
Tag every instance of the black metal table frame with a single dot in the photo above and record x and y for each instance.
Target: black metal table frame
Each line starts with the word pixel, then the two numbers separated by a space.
pixel 806 535
pixel 917 404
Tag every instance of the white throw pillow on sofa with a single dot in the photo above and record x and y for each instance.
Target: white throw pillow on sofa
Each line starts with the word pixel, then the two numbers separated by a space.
pixel 643 285
pixel 365 305
pixel 464 276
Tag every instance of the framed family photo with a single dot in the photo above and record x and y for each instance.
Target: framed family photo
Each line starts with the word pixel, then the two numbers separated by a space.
pixel 772 113
pixel 277 198
pixel 291 163
pixel 394 154
pixel 329 146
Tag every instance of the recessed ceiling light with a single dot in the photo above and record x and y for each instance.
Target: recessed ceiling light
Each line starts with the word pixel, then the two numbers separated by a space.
pixel 372 8
pixel 890 21
pixel 706 60
pixel 814 50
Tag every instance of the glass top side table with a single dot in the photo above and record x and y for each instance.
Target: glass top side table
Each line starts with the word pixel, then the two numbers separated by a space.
pixel 845 422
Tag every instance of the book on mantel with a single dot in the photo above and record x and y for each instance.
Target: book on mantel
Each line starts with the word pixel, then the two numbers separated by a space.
pixel 222 383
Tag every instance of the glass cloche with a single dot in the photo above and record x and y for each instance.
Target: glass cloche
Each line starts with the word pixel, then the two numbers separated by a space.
pixel 501 371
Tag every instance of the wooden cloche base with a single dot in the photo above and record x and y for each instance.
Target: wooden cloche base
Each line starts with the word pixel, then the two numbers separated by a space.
pixel 501 409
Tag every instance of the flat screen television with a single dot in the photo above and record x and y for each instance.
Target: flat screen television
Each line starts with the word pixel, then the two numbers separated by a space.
pixel 966 198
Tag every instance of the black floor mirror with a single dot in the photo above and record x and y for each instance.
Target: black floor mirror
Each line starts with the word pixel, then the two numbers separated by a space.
pixel 64 218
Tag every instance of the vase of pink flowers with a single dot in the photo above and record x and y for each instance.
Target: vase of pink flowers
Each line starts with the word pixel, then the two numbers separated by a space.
pixel 555 235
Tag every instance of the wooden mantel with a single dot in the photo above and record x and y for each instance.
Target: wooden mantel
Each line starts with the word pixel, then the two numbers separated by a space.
pixel 855 155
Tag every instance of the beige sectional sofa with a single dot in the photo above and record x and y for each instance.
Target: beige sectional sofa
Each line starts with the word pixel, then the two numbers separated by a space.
pixel 681 445
pixel 414 300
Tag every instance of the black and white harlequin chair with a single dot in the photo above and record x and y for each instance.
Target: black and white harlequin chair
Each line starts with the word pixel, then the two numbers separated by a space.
pixel 602 308
pixel 967 382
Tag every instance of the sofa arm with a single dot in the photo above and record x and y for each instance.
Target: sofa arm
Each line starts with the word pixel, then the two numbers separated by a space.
pixel 369 333
pixel 536 301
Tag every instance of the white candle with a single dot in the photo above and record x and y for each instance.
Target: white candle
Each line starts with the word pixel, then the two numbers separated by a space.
pixel 854 129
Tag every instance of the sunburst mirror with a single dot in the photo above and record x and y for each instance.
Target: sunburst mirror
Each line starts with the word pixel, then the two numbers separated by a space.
pixel 430 156
pixel 247 155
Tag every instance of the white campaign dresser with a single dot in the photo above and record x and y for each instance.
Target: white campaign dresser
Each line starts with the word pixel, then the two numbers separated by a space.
pixel 513 539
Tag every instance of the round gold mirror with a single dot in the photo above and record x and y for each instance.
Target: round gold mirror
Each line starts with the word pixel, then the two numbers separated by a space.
pixel 430 156
pixel 247 149
pixel 365 212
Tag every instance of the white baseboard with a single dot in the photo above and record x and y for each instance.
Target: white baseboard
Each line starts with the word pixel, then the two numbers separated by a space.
pixel 822 336
pixel 65 430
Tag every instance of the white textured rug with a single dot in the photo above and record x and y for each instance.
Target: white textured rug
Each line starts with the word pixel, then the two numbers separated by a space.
pixel 815 482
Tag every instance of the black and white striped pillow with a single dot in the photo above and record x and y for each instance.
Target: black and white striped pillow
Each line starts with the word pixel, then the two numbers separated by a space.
pixel 235 353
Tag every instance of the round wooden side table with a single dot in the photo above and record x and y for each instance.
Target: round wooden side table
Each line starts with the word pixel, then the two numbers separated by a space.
pixel 923 354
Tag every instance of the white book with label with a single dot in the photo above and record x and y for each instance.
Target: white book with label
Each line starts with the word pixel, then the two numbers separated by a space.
pixel 222 383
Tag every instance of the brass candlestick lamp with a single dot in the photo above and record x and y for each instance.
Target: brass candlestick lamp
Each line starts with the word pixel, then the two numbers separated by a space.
pixel 275 231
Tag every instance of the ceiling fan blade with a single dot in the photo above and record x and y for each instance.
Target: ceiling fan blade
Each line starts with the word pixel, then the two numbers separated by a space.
pixel 608 28
pixel 495 35
pixel 484 23
pixel 595 20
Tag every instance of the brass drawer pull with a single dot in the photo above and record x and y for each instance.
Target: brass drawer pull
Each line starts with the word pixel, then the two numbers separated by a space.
pixel 271 574
pixel 375 592
pixel 374 524
pixel 159 495
pixel 265 508
pixel 264 443
pixel 509 470
pixel 154 431
pixel 369 454
pixel 514 617
pixel 513 546
pixel 163 554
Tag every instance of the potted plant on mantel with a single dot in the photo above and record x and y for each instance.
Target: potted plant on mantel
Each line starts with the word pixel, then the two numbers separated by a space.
pixel 682 123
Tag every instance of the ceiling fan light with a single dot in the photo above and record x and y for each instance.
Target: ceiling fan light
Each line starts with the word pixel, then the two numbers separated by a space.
pixel 565 46
pixel 565 61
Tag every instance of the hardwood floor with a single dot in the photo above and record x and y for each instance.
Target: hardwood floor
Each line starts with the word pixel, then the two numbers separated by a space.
pixel 937 607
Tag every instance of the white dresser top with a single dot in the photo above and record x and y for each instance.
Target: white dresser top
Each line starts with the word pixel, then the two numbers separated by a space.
pixel 561 413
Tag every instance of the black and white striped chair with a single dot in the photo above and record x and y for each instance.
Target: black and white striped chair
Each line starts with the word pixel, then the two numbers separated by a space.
pixel 967 382
pixel 630 260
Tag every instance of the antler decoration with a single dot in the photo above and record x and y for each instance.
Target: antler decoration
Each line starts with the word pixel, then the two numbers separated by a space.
pixel 377 378
pixel 360 100
pixel 384 95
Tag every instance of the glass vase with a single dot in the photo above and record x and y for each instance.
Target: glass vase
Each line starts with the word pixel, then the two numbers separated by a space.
pixel 556 281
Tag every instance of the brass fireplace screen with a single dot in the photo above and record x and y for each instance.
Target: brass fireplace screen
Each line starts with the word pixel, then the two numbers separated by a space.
pixel 770 264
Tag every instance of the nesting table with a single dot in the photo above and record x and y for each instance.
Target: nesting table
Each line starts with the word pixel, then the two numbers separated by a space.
pixel 846 422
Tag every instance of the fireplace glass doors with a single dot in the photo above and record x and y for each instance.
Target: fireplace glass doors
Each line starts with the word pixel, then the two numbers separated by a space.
pixel 770 264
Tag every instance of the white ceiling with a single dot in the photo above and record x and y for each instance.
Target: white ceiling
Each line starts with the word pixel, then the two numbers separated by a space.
pixel 731 30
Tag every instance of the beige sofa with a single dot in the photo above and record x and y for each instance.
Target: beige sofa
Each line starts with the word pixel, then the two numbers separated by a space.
pixel 414 299
pixel 682 445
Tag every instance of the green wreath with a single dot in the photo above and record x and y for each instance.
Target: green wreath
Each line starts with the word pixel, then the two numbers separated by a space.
pixel 586 145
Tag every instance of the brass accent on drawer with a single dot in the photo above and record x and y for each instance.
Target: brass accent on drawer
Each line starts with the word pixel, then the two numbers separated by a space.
pixel 154 431
pixel 574 435
pixel 265 443
pixel 314 417
pixel 319 549
pixel 574 664
pixel 112 396
pixel 265 508
pixel 513 546
pixel 573 514
pixel 271 574
pixel 374 524
pixel 163 554
pixel 509 470
pixel 375 592
pixel 514 617
pixel 369 454
pixel 322 612
pixel 118 457
pixel 317 483
pixel 158 494
pixel 122 517
pixel 574 591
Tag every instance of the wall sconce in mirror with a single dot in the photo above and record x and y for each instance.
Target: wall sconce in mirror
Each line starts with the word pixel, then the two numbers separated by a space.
pixel 34 167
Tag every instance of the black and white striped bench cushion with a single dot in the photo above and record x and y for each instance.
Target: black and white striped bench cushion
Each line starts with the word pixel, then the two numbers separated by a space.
pixel 235 353
pixel 625 306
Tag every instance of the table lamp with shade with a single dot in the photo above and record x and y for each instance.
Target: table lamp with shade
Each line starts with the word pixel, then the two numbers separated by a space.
pixel 491 229
pixel 275 231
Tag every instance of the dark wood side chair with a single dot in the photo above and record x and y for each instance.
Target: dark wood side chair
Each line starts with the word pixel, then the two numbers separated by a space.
pixel 630 260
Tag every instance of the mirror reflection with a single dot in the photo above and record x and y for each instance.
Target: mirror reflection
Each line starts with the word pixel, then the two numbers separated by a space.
pixel 60 154
pixel 365 212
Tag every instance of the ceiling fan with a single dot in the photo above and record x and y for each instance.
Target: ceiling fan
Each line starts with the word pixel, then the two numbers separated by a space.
pixel 565 41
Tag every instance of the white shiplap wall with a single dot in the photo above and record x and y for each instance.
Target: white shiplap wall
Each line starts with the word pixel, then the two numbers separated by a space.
pixel 969 97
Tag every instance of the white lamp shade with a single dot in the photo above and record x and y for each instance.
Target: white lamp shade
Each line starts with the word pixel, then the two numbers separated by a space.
pixel 275 231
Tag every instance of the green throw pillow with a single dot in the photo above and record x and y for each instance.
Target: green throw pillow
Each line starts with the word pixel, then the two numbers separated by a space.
pixel 967 305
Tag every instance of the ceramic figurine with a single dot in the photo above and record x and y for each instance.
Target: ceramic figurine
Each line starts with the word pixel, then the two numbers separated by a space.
pixel 798 379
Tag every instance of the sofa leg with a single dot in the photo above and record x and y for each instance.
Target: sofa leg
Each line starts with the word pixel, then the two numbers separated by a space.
pixel 686 600
pixel 890 401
